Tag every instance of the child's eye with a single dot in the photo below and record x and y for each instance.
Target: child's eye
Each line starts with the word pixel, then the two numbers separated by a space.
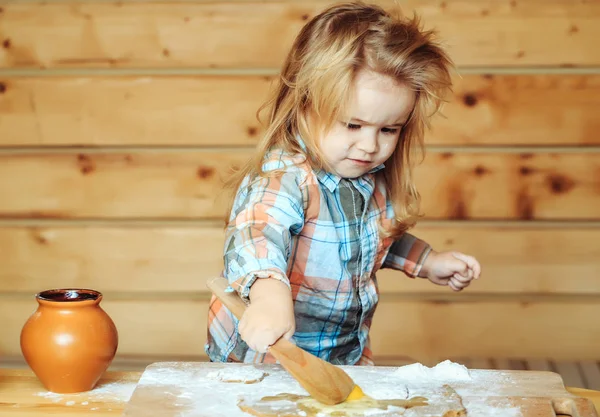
pixel 352 126
pixel 389 130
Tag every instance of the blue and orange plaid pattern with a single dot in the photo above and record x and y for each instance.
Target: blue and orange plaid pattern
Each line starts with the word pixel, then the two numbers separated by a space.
pixel 319 234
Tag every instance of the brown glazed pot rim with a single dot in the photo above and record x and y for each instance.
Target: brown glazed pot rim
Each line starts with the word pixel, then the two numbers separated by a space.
pixel 69 295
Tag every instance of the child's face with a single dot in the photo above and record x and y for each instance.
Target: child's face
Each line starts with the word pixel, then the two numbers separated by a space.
pixel 367 136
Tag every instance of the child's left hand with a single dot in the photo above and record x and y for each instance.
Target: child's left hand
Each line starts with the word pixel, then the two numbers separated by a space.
pixel 453 269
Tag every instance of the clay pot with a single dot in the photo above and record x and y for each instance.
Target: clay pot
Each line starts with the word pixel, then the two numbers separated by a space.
pixel 69 341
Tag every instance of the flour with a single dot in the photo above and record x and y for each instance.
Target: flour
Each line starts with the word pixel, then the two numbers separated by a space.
pixel 200 389
pixel 245 375
pixel 443 371
pixel 479 409
pixel 195 389
pixel 105 393
pixel 421 379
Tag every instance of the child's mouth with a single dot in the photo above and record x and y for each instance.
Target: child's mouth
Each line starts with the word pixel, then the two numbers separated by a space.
pixel 359 161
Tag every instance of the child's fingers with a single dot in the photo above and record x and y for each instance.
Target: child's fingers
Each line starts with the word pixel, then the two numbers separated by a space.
pixel 260 341
pixel 471 262
pixel 290 332
pixel 476 270
pixel 463 278
pixel 452 284
pixel 257 338
pixel 459 283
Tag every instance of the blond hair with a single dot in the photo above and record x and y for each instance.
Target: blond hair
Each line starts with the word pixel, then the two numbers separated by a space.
pixel 317 76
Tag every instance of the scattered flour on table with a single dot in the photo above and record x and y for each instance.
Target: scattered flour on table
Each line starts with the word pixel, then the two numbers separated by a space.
pixel 195 390
pixel 246 375
pixel 205 391
pixel 112 392
pixel 443 371
pixel 420 380
pixel 478 409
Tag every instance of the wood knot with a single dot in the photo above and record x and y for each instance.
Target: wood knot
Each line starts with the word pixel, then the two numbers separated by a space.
pixel 526 155
pixel 458 209
pixel 205 172
pixel 470 100
pixel 449 242
pixel 525 170
pixel 524 206
pixel 520 54
pixel 305 16
pixel 559 184
pixel 186 19
pixel 446 155
pixel 439 302
pixel 39 238
pixel 166 52
pixel 573 29
pixel 443 5
pixel 2 87
pixel 480 170
pixel 86 165
pixel 252 131
pixel 488 76
pixel 485 12
pixel 6 43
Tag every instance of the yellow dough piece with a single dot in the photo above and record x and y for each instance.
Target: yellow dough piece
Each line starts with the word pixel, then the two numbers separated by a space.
pixel 444 402
pixel 292 405
pixel 356 394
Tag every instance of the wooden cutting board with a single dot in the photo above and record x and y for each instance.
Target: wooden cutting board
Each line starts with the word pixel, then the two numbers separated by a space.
pixel 199 389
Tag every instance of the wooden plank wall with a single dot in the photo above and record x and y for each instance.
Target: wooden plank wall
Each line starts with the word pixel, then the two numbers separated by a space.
pixel 118 121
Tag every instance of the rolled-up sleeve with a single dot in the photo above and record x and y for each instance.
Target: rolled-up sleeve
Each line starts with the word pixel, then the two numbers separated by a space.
pixel 407 254
pixel 258 241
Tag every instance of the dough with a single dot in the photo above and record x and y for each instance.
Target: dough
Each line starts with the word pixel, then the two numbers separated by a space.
pixel 239 374
pixel 445 403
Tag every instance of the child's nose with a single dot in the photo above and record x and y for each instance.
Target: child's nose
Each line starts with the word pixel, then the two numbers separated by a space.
pixel 368 143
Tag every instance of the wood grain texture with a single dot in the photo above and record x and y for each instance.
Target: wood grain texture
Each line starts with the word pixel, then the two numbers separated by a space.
pixel 515 110
pixel 178 184
pixel 423 331
pixel 22 394
pixel 164 259
pixel 510 186
pixel 258 34
pixel 166 111
pixel 212 110
pixel 156 184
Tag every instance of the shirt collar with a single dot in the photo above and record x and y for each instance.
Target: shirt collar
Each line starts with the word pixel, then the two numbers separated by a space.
pixel 331 180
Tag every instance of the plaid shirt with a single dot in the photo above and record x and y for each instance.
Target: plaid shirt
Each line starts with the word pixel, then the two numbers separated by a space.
pixel 317 233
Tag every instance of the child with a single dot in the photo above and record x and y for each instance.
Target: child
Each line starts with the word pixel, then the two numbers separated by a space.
pixel 329 196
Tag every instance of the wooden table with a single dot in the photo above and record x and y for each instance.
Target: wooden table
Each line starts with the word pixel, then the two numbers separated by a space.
pixel 22 395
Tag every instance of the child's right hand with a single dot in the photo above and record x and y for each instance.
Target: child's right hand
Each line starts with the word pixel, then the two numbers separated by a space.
pixel 269 316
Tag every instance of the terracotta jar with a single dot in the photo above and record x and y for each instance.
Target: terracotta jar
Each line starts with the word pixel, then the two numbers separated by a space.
pixel 69 341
